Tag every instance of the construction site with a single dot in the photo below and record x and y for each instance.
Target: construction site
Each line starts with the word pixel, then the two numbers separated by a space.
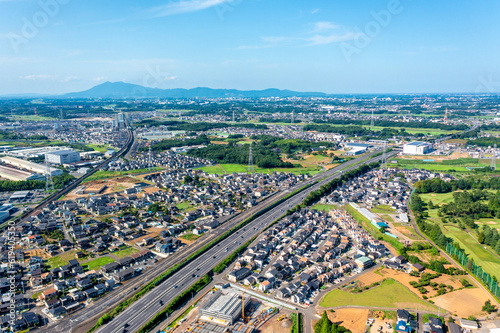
pixel 230 310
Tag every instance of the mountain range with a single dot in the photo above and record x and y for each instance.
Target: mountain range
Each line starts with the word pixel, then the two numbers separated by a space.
pixel 128 90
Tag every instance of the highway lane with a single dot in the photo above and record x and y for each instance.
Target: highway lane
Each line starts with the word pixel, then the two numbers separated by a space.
pixel 146 307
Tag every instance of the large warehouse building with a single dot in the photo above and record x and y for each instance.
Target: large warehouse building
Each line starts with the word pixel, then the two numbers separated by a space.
pixel 26 165
pixel 417 148
pixel 17 175
pixel 63 157
pixel 225 308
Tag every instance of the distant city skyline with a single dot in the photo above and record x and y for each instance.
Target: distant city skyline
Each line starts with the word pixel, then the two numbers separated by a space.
pixel 395 46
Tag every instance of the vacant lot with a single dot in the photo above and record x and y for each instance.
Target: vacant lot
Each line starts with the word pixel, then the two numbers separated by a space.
pixel 125 252
pixel 390 294
pixel 97 263
pixel 352 319
pixel 463 303
pixel 324 207
pixel 240 168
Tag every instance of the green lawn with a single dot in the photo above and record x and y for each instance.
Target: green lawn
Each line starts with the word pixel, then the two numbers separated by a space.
pixel 239 168
pixel 489 262
pixel 125 252
pixel 325 207
pixel 111 174
pixel 190 236
pixel 383 209
pixel 458 165
pixel 56 262
pixel 437 198
pixel 97 263
pixel 390 294
pixel 184 206
pixel 101 148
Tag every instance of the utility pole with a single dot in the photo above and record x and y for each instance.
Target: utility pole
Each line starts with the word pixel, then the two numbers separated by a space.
pixel 251 168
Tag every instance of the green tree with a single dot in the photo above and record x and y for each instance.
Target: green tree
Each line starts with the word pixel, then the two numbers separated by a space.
pixel 488 307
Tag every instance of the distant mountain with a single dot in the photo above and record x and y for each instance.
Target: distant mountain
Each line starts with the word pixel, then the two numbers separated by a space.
pixel 128 90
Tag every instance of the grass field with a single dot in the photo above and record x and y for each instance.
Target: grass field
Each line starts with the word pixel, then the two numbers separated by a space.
pixel 185 206
pixel 57 262
pixel 112 174
pixel 125 252
pixel 390 294
pixel 190 236
pixel 97 263
pixel 457 165
pixel 383 209
pixel 324 207
pixel 480 253
pixel 101 148
pixel 239 168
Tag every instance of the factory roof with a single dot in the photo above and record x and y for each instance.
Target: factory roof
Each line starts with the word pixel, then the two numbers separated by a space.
pixel 62 152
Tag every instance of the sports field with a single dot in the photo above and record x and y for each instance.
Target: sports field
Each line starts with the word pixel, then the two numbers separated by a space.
pixel 390 294
pixel 324 207
pixel 456 165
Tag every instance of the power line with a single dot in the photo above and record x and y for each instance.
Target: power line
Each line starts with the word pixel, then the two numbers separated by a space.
pixel 251 168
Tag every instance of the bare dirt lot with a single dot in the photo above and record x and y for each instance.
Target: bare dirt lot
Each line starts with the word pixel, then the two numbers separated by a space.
pixel 463 303
pixel 352 319
pixel 36 252
pixel 436 158
pixel 112 185
pixel 277 326
pixel 452 301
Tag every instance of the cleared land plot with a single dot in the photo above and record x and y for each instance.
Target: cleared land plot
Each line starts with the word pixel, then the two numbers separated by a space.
pixel 111 174
pixel 390 294
pixel 464 303
pixel 113 185
pixel 352 319
pixel 457 165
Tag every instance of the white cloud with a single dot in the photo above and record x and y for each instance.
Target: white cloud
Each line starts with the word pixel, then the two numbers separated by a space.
pixel 185 6
pixel 320 33
pixel 71 78
pixel 37 77
pixel 315 10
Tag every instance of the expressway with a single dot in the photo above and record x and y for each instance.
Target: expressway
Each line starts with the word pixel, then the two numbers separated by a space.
pixel 107 302
pixel 136 315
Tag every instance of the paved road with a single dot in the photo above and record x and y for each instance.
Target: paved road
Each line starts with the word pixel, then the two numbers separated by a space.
pixel 145 308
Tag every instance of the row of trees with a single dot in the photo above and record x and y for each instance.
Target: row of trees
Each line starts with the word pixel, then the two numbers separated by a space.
pixel 263 157
pixel 170 143
pixel 398 124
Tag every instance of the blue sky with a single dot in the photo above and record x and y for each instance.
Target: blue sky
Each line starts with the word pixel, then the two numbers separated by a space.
pixel 364 46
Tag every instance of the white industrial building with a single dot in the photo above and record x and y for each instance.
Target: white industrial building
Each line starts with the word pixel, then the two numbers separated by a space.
pixel 35 152
pixel 30 166
pixel 417 148
pixel 18 175
pixel 224 308
pixel 63 157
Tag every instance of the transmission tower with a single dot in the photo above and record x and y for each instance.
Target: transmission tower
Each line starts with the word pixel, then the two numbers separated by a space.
pixel 251 168
pixel 233 116
pixel 150 159
pixel 292 116
pixel 49 184
pixel 384 157
pixel 494 158
pixel 372 122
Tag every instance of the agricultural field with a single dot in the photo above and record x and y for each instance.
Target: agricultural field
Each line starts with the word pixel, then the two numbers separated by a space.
pixel 388 294
pixel 383 209
pixel 240 168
